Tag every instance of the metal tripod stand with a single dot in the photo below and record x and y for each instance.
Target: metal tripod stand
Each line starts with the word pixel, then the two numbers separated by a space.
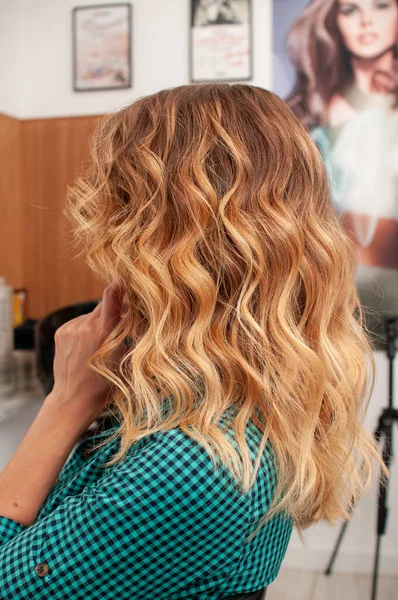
pixel 383 430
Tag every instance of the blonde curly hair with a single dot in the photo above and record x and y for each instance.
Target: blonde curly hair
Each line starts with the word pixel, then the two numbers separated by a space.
pixel 211 203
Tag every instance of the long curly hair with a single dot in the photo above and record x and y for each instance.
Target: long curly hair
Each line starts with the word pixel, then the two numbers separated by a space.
pixel 211 203
pixel 323 64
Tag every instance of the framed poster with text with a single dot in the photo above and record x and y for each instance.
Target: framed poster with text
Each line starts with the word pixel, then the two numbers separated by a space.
pixel 221 40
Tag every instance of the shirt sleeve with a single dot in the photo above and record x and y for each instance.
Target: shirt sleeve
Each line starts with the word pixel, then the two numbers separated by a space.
pixel 154 522
pixel 9 529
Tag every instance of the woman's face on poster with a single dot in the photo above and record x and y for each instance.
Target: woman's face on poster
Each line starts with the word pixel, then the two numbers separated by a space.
pixel 368 28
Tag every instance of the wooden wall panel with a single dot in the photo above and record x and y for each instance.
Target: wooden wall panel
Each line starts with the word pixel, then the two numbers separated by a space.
pixel 39 159
pixel 52 150
pixel 10 212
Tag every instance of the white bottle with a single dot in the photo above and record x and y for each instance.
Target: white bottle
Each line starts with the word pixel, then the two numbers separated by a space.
pixel 7 378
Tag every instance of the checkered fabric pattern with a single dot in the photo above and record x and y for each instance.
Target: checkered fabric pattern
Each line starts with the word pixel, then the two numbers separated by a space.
pixel 160 524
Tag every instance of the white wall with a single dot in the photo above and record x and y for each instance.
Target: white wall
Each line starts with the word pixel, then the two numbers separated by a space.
pixel 159 47
pixel 36 78
pixel 10 63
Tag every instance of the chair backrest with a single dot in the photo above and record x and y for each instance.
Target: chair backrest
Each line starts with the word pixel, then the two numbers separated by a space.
pixel 44 338
pixel 257 595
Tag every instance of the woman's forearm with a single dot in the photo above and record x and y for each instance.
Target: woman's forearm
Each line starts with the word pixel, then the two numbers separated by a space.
pixel 28 477
pixel 78 397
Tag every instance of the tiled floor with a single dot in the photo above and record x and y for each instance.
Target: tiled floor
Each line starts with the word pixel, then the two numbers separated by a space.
pixel 311 585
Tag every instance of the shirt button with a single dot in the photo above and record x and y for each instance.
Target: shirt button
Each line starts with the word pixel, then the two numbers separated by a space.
pixel 41 569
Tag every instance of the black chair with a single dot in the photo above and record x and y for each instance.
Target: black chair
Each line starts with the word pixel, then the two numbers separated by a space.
pixel 257 595
pixel 44 338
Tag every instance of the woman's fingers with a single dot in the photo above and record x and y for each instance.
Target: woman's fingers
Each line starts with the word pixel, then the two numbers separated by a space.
pixel 110 308
pixel 108 311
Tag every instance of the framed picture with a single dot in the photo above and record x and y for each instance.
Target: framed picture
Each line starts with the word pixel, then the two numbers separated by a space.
pixel 102 47
pixel 221 44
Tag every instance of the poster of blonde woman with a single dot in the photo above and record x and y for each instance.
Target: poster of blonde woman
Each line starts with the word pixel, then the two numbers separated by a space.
pixel 220 42
pixel 336 65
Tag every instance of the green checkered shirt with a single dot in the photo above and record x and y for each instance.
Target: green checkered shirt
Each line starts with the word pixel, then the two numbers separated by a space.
pixel 160 524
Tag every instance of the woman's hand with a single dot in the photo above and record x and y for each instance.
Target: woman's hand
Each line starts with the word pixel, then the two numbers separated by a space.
pixel 78 397
pixel 78 390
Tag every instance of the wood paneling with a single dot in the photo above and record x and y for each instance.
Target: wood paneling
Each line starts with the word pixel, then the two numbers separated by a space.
pixel 43 160
pixel 10 213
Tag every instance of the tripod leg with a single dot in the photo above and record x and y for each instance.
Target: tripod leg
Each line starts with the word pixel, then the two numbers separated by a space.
pixel 382 511
pixel 376 568
pixel 378 432
pixel 328 570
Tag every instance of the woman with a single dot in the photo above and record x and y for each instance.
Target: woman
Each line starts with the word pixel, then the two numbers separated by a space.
pixel 347 93
pixel 235 408
pixel 351 60
pixel 346 58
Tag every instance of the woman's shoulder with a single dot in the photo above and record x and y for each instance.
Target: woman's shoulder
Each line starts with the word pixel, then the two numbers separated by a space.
pixel 178 453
